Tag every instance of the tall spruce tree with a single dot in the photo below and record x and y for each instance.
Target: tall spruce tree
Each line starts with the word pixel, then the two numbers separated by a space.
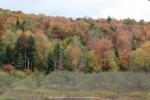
pixel 19 62
pixel 39 63
pixel 26 46
pixel 50 63
pixel 133 42
pixel 2 52
pixel 10 55
pixel 18 25
pixel 31 52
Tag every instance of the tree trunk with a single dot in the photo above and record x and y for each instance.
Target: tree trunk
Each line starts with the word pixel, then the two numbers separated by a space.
pixel 60 57
pixel 28 64
pixel 25 55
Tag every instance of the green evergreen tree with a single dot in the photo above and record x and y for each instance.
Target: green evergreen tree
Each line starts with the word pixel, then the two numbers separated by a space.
pixel 39 62
pixel 18 25
pixel 22 26
pixel 20 53
pixel 31 52
pixel 117 57
pixel 26 46
pixel 58 55
pixel 2 52
pixel 68 63
pixel 50 63
pixel 85 59
pixel 10 55
pixel 109 19
pixel 19 62
pixel 133 42
pixel 56 59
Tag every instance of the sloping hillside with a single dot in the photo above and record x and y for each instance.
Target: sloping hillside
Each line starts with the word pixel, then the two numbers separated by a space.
pixel 47 43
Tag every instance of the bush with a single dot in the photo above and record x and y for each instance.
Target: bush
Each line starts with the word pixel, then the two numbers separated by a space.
pixel 129 21
pixel 3 74
pixel 6 97
pixel 20 74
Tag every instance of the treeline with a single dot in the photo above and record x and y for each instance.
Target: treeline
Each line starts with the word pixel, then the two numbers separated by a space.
pixel 43 43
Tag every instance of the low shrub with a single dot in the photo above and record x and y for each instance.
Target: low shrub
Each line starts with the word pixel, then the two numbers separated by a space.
pixel 20 74
pixel 2 74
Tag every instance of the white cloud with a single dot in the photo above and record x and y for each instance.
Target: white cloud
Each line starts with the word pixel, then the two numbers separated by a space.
pixel 138 9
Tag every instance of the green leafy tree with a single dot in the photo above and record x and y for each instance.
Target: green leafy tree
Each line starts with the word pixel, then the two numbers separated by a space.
pixel 141 57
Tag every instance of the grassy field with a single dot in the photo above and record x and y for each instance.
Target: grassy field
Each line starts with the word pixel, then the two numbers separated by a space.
pixel 105 85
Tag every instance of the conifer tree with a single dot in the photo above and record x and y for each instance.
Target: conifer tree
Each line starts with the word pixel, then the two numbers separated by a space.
pixel 2 52
pixel 19 62
pixel 31 52
pixel 18 25
pixel 133 42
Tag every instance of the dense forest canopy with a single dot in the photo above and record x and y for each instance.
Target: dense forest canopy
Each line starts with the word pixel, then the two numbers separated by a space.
pixel 46 43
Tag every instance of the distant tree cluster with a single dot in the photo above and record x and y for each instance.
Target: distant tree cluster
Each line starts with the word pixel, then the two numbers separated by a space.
pixel 43 43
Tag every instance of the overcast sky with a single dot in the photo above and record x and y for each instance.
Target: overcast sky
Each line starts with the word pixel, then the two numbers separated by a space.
pixel 137 9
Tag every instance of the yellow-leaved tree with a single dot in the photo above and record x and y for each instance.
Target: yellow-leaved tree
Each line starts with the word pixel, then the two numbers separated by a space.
pixel 141 57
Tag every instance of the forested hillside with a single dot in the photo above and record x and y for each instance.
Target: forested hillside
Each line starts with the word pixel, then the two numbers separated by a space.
pixel 45 43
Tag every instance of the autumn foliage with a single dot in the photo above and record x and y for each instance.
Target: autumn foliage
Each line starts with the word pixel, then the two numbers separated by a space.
pixel 44 43
pixel 9 67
